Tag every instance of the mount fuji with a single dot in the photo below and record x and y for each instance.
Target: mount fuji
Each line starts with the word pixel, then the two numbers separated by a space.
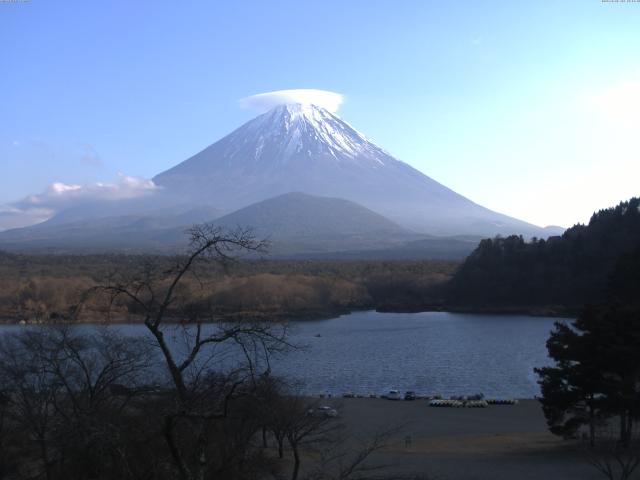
pixel 298 153
pixel 305 148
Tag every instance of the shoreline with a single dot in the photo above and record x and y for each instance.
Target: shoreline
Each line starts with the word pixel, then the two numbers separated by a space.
pixel 315 315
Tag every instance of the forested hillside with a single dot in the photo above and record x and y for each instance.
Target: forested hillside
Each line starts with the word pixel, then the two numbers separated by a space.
pixel 42 288
pixel 558 274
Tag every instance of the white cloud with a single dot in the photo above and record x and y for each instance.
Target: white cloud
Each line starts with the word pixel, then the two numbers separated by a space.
pixel 12 217
pixel 59 188
pixel 58 196
pixel 322 98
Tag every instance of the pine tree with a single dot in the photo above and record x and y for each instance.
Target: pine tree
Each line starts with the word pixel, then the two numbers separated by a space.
pixel 597 371
pixel 573 390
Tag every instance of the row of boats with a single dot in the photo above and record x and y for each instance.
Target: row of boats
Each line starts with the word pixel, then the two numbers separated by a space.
pixel 471 401
pixel 460 401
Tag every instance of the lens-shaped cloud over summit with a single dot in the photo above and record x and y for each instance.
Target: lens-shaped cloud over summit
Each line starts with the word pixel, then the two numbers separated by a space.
pixel 265 101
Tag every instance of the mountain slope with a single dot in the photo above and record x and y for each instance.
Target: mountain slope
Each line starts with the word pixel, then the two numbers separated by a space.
pixel 71 232
pixel 301 215
pixel 297 226
pixel 307 149
pixel 297 223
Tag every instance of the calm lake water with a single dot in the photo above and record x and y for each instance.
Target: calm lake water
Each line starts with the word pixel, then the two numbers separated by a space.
pixel 429 352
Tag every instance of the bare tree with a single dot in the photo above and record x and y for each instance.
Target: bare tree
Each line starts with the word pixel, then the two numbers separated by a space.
pixel 268 402
pixel 311 432
pixel 347 458
pixel 5 462
pixel 611 457
pixel 303 427
pixel 200 399
pixel 60 397
pixel 32 392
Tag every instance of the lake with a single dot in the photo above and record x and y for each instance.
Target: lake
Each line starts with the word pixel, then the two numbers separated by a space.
pixel 429 352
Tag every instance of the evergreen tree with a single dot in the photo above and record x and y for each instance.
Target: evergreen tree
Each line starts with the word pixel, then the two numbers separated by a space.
pixel 597 371
pixel 573 390
pixel 565 272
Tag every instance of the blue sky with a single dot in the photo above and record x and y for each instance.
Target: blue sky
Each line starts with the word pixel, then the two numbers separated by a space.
pixel 529 108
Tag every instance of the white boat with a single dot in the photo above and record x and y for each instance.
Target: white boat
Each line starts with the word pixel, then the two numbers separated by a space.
pixel 393 395
pixel 446 403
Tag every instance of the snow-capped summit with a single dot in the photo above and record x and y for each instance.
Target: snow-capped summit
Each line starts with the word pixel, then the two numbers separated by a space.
pixel 310 130
pixel 287 134
pixel 305 148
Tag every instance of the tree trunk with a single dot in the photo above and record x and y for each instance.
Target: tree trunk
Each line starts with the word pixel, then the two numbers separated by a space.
pixel 174 371
pixel 175 451
pixel 592 427
pixel 296 461
pixel 44 453
pixel 624 429
pixel 202 460
pixel 264 438
pixel 280 447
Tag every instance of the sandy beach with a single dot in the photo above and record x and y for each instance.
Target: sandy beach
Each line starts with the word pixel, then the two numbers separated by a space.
pixel 497 443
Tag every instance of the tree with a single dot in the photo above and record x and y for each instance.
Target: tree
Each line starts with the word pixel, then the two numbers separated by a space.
pixel 612 459
pixel 572 391
pixel 60 405
pixel 303 428
pixel 597 371
pixel 201 398
pixel 563 272
pixel 346 458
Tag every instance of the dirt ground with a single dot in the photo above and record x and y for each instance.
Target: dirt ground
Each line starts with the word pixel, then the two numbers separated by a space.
pixel 497 443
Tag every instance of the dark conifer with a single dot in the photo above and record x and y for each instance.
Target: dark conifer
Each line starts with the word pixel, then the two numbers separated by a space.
pixel 597 372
